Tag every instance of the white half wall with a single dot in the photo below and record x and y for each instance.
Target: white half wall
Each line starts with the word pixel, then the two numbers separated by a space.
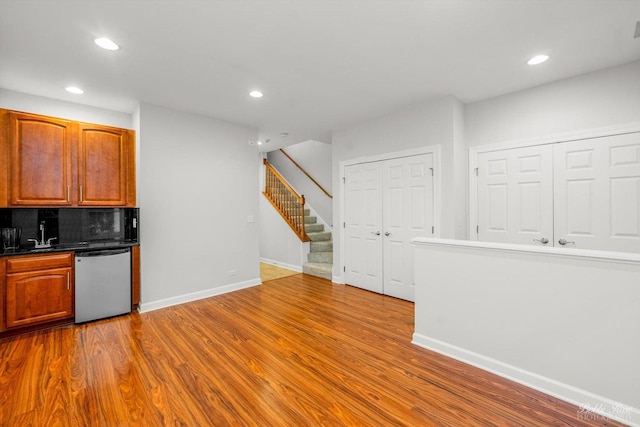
pixel 563 321
pixel 198 185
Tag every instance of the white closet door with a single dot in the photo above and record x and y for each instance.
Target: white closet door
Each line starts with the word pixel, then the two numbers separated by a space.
pixel 515 196
pixel 363 226
pixel 407 213
pixel 597 188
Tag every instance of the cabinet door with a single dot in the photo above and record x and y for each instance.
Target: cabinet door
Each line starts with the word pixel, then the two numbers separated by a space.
pixel 40 160
pixel 103 162
pixel 38 297
pixel 135 277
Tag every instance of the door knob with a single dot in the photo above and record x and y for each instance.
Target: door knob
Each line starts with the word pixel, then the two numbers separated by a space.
pixel 375 233
pixel 387 233
pixel 565 242
pixel 544 240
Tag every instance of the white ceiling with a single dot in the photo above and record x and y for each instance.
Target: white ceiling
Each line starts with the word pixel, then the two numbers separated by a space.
pixel 322 64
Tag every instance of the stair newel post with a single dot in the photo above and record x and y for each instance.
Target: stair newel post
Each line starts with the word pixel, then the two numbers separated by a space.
pixel 302 202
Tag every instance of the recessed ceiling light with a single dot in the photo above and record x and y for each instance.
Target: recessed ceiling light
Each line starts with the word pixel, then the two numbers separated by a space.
pixel 106 43
pixel 538 59
pixel 255 94
pixel 74 89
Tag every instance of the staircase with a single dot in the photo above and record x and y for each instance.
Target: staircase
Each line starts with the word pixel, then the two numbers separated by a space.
pixel 290 205
pixel 321 255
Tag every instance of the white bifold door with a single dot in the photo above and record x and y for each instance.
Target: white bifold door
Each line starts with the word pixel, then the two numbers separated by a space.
pixel 582 194
pixel 387 203
pixel 515 195
pixel 597 193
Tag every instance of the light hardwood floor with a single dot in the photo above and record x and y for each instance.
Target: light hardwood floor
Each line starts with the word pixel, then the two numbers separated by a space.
pixel 297 351
pixel 271 272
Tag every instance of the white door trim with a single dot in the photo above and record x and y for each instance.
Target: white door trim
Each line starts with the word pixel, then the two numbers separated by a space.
pixel 528 142
pixel 437 207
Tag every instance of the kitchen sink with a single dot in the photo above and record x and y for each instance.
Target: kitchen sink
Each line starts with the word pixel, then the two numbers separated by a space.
pixel 41 250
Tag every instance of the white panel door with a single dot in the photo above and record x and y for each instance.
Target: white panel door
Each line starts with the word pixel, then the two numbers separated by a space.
pixel 597 193
pixel 407 213
pixel 515 196
pixel 363 226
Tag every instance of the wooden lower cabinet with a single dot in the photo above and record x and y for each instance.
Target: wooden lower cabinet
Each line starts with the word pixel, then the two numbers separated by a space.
pixel 39 289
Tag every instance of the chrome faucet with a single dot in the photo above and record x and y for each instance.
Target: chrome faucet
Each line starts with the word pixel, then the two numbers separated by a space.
pixel 42 243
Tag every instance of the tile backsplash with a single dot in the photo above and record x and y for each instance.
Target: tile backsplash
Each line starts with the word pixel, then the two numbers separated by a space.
pixel 73 225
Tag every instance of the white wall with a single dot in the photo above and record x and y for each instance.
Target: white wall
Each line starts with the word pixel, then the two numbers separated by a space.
pixel 315 158
pixel 559 320
pixel 432 122
pixel 193 224
pixel 595 100
pixel 460 165
pixel 279 245
pixel 198 183
pixel 67 110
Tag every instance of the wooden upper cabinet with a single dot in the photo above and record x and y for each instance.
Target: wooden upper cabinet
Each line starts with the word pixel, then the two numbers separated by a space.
pixel 57 162
pixel 39 160
pixel 104 159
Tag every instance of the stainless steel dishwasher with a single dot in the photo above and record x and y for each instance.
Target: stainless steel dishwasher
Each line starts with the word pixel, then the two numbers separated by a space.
pixel 103 283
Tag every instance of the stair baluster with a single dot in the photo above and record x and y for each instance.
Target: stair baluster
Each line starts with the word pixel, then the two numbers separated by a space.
pixel 285 200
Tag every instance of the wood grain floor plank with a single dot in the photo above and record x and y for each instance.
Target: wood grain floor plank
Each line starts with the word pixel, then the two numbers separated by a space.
pixel 296 351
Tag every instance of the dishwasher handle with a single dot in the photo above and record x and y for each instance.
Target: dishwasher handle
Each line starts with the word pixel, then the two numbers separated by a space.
pixel 102 252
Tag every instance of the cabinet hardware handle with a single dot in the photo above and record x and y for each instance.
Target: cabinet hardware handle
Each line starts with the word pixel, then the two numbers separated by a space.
pixel 565 242
pixel 68 192
pixel 544 240
pixel 375 233
pixel 81 199
pixel 68 287
pixel 387 234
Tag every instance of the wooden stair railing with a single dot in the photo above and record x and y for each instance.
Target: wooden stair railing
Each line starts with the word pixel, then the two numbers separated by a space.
pixel 306 173
pixel 285 200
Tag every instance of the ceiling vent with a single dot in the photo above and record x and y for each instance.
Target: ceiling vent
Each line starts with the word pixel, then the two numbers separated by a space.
pixel 637 33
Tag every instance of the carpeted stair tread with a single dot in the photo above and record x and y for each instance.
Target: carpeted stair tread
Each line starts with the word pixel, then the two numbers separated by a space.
pixel 321 257
pixel 322 246
pixel 313 228
pixel 319 236
pixel 318 269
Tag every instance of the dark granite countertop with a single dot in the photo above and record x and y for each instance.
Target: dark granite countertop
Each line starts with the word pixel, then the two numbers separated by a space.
pixel 69 247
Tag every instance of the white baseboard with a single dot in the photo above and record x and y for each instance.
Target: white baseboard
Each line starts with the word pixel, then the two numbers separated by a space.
pixel 592 406
pixel 194 296
pixel 337 279
pixel 282 264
